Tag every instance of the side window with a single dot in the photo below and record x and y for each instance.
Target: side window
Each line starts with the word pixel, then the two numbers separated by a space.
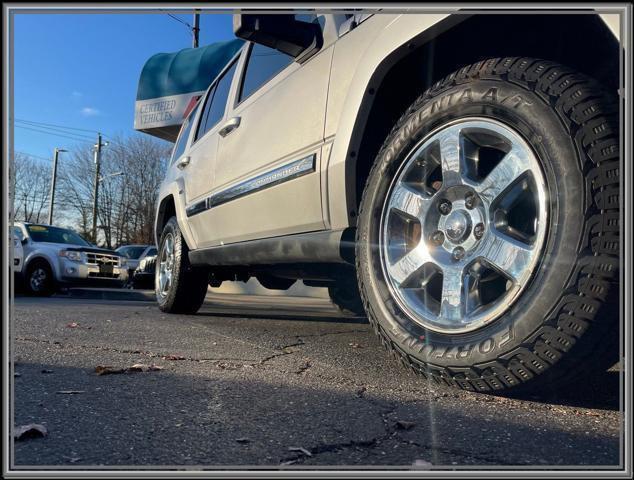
pixel 179 148
pixel 264 62
pixel 215 106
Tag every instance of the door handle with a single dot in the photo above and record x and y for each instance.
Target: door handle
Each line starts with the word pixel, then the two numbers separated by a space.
pixel 183 162
pixel 229 127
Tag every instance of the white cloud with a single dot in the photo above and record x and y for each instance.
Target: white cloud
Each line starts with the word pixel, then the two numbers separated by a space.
pixel 90 112
pixel 77 94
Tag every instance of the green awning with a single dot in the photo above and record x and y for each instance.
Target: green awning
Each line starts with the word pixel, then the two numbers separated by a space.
pixel 171 83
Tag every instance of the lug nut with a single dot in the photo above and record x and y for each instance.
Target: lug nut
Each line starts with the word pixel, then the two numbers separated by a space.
pixel 444 207
pixel 438 238
pixel 478 230
pixel 470 200
pixel 458 253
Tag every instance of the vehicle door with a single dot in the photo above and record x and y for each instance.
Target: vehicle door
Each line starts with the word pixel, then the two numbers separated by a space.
pixel 267 180
pixel 198 162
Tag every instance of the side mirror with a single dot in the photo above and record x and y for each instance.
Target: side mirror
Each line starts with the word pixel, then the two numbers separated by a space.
pixel 300 40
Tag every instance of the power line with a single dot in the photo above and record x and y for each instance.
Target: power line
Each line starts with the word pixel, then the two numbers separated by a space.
pixel 177 19
pixel 54 129
pixel 54 134
pixel 53 125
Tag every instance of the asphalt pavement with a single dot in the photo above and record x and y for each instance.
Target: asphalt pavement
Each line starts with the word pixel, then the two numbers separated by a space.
pixel 271 383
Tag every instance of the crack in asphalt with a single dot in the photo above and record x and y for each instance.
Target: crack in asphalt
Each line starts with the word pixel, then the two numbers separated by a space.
pixel 136 352
pixel 325 334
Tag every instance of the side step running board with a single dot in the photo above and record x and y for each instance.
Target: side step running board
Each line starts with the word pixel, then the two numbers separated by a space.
pixel 331 246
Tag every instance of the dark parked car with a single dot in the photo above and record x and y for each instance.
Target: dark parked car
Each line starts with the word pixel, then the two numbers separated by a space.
pixel 143 276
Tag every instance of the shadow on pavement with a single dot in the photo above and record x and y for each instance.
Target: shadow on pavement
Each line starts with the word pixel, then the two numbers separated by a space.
pixel 219 418
pixel 600 392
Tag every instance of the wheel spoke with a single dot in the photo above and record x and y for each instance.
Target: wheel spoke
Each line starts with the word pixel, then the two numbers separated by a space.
pixel 450 155
pixel 408 201
pixel 451 304
pixel 508 255
pixel 409 263
pixel 512 166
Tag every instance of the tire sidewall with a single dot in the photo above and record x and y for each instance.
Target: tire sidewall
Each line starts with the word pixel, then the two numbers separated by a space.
pixel 49 284
pixel 171 227
pixel 538 123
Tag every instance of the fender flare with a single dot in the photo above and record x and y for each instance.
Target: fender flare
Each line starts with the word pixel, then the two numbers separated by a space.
pixel 392 44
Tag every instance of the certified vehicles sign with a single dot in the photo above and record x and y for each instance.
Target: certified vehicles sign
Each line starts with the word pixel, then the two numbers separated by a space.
pixel 172 83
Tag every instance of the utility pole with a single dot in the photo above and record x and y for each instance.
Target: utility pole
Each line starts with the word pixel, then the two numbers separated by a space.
pixel 51 202
pixel 98 146
pixel 196 29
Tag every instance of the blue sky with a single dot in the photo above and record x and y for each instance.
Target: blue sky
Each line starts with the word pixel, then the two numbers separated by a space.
pixel 81 70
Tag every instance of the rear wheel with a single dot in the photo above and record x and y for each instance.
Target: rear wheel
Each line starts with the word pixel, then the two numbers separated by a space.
pixel 488 234
pixel 180 287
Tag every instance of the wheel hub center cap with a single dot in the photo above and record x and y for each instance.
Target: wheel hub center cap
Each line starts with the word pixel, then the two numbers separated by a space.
pixel 458 226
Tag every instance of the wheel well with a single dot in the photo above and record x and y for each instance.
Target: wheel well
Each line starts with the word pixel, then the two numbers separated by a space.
pixel 582 42
pixel 166 210
pixel 36 261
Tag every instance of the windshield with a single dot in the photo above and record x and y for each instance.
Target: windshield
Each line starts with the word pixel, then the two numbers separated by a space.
pixel 131 252
pixel 151 252
pixel 44 233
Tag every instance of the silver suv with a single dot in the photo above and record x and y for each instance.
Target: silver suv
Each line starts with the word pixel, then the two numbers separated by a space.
pixel 58 257
pixel 455 175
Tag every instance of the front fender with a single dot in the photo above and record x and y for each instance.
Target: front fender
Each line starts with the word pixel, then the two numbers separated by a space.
pixel 361 59
pixel 48 257
pixel 176 190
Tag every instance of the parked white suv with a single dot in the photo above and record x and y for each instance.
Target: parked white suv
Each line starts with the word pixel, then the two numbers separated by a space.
pixel 449 166
pixel 59 257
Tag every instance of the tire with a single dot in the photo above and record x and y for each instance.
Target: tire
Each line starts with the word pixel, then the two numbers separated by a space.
pixel 186 290
pixel 563 325
pixel 346 298
pixel 39 280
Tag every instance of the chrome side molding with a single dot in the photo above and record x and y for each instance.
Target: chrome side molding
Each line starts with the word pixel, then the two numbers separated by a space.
pixel 295 169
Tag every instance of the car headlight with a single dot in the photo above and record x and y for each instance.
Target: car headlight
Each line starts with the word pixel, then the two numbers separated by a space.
pixel 71 255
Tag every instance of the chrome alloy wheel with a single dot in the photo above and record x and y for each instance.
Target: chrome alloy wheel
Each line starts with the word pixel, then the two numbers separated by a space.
pixel 463 225
pixel 165 269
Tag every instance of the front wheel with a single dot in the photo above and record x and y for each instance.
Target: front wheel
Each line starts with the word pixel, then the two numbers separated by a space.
pixel 488 234
pixel 179 287
pixel 39 279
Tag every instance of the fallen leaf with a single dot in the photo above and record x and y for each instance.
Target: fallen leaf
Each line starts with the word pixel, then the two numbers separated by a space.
pixel 32 430
pixel 355 345
pixel 71 392
pixel 242 440
pixel 288 462
pixel 16 375
pixel 300 449
pixel 403 425
pixel 107 370
pixel 155 368
pixel 73 325
pixel 173 357
pixel 71 459
pixel 47 371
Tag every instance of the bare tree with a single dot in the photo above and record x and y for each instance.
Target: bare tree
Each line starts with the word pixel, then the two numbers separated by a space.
pixel 31 185
pixel 126 201
pixel 75 189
